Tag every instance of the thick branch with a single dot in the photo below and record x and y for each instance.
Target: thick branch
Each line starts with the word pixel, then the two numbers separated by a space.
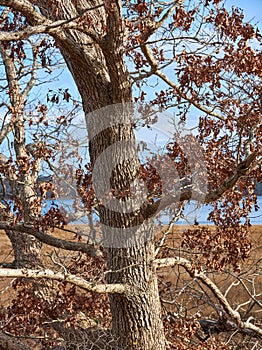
pixel 40 24
pixel 242 169
pixel 63 277
pixel 26 9
pixel 51 240
pixel 47 27
pixel 11 77
pixel 5 131
pixel 112 47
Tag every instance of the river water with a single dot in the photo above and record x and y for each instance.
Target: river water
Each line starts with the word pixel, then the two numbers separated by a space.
pixel 201 214
pixel 191 213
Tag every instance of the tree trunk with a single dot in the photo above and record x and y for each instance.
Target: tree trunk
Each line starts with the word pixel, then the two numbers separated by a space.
pixel 101 76
pixel 11 343
pixel 26 250
pixel 25 247
pixel 127 235
pixel 136 318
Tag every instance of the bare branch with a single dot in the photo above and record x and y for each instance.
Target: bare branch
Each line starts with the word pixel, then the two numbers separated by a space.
pixel 156 25
pixel 40 24
pixel 32 81
pixel 192 100
pixel 59 276
pixel 242 169
pixel 51 240
pixel 168 230
pixel 155 70
pixel 196 273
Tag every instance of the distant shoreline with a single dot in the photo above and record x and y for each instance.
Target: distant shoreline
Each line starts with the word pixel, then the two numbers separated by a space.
pixel 192 213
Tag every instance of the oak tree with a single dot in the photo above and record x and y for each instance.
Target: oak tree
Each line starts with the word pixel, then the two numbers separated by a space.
pixel 198 59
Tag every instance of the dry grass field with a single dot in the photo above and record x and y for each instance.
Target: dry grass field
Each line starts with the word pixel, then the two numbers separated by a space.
pixel 194 300
pixel 170 275
pixel 251 270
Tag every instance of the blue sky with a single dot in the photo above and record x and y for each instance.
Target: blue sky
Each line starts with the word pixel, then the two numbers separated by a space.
pixel 252 9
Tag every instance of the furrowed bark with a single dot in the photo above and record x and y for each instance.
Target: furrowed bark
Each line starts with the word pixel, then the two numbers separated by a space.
pixel 102 79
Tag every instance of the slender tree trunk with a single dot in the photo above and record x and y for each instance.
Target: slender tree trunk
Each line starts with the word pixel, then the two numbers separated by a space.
pixel 26 248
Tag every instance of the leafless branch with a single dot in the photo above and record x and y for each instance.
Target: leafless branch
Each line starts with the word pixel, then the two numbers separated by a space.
pixel 242 169
pixel 196 273
pixel 40 24
pixel 168 230
pixel 58 276
pixel 51 240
